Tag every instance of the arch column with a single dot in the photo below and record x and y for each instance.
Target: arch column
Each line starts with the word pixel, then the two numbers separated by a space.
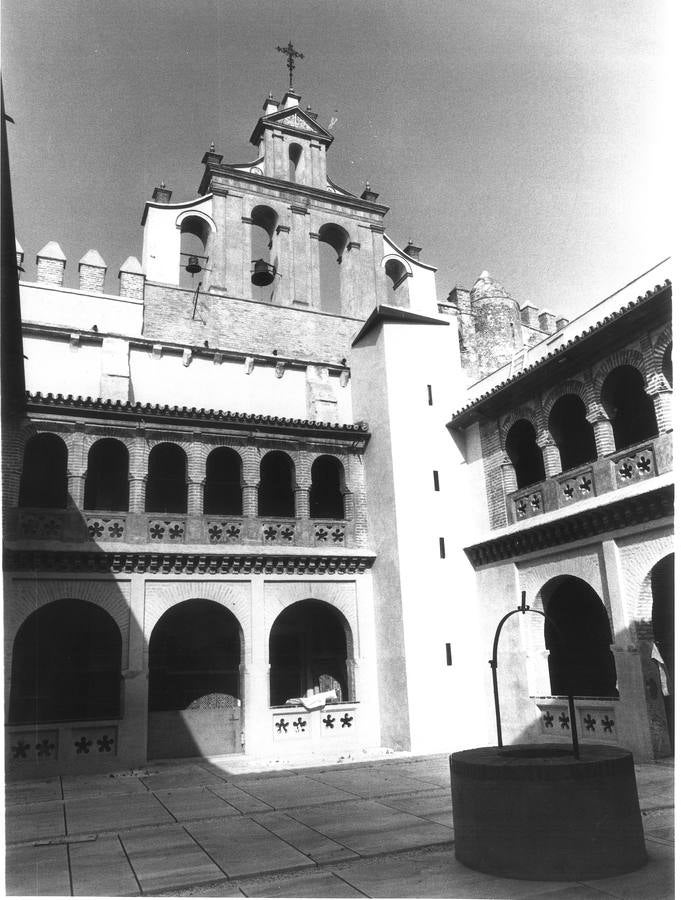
pixel 662 401
pixel 508 476
pixel 550 454
pixel 302 498
pixel 255 680
pixel 249 498
pixel 194 497
pixel 603 433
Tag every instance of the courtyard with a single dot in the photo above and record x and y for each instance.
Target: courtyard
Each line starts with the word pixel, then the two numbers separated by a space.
pixel 366 828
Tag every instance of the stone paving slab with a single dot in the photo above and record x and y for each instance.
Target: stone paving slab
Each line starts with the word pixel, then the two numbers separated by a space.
pixel 34 822
pixel 37 871
pixel 195 803
pixel 167 857
pixel 242 847
pixel 317 884
pixel 22 792
pixel 368 827
pixel 313 844
pixel 369 782
pixel 437 873
pixel 655 881
pixel 181 776
pixel 436 805
pixel 117 812
pixel 75 786
pixel 240 800
pixel 100 867
pixel 291 790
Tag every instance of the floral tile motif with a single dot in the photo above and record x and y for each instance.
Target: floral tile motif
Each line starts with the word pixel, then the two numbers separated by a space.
pixel 40 526
pixel 166 530
pixel 592 723
pixel 109 529
pixel 329 533
pixel 635 466
pixel 22 747
pixel 530 505
pixel 278 532
pixel 224 532
pixel 576 487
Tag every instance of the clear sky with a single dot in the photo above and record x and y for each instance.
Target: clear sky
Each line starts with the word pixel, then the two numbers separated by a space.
pixel 526 137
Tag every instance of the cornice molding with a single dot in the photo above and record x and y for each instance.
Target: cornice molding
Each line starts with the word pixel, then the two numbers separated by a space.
pixel 631 511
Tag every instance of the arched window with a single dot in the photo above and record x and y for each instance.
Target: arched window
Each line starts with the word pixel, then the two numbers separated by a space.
pixel 222 488
pixel 263 230
pixel 106 483
pixel 333 241
pixel 308 652
pixel 525 455
pixel 572 433
pixel 326 495
pixel 631 410
pixel 43 476
pixel 167 479
pixel 195 233
pixel 194 657
pixel 578 638
pixel 396 279
pixel 66 665
pixel 275 493
pixel 667 366
pixel 295 153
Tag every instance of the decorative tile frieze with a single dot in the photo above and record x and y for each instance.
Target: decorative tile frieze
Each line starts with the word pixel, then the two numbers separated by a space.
pixel 528 504
pixel 105 529
pixel 594 722
pixel 329 533
pixel 224 531
pixel 635 465
pixel 31 746
pixel 97 740
pixel 278 532
pixel 40 526
pixel 166 530
pixel 576 486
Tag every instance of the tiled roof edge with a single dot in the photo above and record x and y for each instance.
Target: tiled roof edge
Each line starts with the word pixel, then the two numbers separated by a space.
pixel 186 412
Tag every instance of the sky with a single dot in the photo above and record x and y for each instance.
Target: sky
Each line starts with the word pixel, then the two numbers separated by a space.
pixel 525 137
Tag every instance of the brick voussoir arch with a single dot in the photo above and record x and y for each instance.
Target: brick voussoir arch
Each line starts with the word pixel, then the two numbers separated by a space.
pixel 661 345
pixel 528 413
pixel 626 357
pixel 580 388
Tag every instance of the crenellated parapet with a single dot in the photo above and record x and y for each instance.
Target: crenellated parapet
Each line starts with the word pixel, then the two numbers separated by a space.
pixel 51 264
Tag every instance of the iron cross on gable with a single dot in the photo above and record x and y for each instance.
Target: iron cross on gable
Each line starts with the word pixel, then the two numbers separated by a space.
pixel 292 53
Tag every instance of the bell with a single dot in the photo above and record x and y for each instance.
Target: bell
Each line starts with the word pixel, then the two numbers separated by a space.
pixel 263 273
pixel 193 265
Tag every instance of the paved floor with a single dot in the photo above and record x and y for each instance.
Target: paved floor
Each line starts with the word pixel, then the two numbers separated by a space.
pixel 380 828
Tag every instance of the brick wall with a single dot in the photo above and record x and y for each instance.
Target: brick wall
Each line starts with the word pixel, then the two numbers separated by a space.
pixel 493 454
pixel 245 325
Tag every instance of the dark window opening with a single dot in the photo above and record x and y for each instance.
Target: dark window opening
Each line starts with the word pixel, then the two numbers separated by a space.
pixel 448 653
pixel 430 395
pixel 667 366
pixel 295 152
pixel 436 480
pixel 167 479
pixel 275 493
pixel 662 586
pixel 326 496
pixel 308 652
pixel 106 483
pixel 43 477
pixel 442 548
pixel 578 637
pixel 573 435
pixel 222 488
pixel 525 455
pixel 194 652
pixel 631 410
pixel 66 665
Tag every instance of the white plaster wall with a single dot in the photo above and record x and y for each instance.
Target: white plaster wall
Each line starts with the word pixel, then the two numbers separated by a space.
pixel 438 595
pixel 54 366
pixel 162 239
pixel 226 386
pixel 78 310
